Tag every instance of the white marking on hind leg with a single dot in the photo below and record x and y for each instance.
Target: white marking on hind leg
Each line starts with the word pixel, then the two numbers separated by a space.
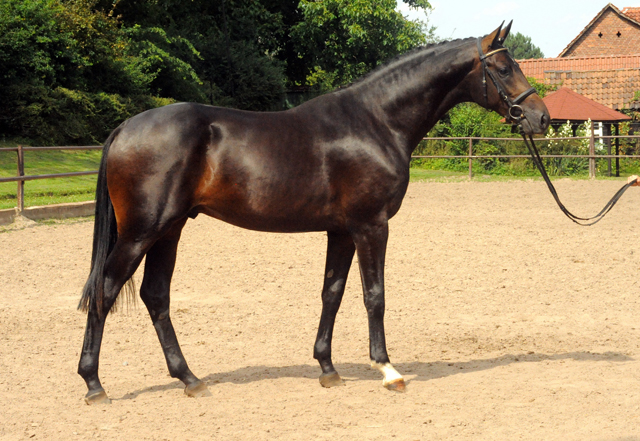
pixel 388 371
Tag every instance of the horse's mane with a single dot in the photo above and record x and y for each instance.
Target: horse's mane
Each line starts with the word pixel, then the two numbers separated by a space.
pixel 428 50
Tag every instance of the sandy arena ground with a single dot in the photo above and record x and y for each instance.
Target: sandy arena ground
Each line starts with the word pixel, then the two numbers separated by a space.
pixel 508 321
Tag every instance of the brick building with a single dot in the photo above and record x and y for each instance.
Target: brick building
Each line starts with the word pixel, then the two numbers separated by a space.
pixel 602 63
pixel 611 32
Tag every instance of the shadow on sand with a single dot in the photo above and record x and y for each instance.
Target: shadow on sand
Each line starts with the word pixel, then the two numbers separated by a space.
pixel 414 371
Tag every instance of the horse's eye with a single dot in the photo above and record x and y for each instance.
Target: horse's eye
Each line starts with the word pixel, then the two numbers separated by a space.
pixel 503 71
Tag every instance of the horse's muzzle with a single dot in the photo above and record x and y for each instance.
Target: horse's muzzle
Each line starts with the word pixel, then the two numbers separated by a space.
pixel 535 118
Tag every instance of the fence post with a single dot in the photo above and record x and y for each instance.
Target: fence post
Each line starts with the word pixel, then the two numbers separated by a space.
pixel 592 153
pixel 20 194
pixel 617 151
pixel 470 155
pixel 608 141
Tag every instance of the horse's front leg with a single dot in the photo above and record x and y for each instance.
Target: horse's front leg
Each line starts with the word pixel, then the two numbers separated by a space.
pixel 340 250
pixel 371 246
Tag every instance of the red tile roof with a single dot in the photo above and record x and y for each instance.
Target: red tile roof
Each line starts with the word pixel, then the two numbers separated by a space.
pixel 633 13
pixel 536 68
pixel 565 104
pixel 611 81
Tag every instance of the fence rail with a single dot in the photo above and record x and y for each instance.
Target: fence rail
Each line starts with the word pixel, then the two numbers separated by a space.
pixel 592 156
pixel 21 178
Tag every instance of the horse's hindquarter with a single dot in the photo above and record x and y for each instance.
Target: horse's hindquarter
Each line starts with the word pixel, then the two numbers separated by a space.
pixel 152 165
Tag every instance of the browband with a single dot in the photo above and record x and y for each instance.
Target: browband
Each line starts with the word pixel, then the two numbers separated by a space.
pixel 483 57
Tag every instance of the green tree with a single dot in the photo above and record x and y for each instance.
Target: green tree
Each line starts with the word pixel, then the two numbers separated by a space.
pixel 240 55
pixel 345 39
pixel 521 47
pixel 65 75
pixel 419 4
pixel 71 70
pixel 249 50
pixel 231 45
pixel 165 63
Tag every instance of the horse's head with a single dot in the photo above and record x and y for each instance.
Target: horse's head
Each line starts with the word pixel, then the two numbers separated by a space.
pixel 502 86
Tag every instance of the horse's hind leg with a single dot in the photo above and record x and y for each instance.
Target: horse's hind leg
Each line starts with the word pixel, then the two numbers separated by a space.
pixel 161 259
pixel 340 250
pixel 119 267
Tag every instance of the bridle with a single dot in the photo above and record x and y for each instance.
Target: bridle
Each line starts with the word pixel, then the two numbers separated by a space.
pixel 516 113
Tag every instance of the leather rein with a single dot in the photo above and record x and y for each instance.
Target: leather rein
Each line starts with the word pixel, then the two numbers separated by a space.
pixel 516 113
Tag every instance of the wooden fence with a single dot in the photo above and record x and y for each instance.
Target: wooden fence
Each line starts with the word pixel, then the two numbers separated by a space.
pixel 21 178
pixel 592 156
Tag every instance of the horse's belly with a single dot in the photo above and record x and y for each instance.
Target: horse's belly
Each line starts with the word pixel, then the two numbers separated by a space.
pixel 283 222
pixel 275 207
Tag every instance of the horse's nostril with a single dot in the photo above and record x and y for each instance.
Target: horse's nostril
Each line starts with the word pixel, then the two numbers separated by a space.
pixel 544 121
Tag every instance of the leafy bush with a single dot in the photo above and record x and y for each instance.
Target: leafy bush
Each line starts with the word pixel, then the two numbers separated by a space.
pixel 64 116
pixel 567 166
pixel 68 75
pixel 470 120
pixel 466 120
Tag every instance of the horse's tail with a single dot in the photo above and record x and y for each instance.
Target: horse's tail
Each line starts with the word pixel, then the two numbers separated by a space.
pixel 105 235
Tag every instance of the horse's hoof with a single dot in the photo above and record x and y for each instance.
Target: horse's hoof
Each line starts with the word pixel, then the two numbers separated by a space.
pixel 197 390
pixel 396 385
pixel 99 397
pixel 331 380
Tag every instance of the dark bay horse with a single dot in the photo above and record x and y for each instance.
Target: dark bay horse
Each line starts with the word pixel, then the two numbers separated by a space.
pixel 338 163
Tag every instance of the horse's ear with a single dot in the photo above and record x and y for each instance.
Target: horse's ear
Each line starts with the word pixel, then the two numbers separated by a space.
pixel 493 38
pixel 505 33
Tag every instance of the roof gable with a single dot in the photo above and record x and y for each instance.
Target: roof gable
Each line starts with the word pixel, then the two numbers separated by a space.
pixel 565 104
pixel 610 10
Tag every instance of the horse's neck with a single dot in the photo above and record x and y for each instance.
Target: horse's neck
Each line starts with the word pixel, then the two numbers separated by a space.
pixel 414 93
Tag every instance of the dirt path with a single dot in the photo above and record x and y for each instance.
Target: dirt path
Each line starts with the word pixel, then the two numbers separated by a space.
pixel 508 321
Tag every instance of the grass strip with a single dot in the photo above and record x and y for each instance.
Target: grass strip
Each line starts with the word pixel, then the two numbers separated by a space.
pixel 50 191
